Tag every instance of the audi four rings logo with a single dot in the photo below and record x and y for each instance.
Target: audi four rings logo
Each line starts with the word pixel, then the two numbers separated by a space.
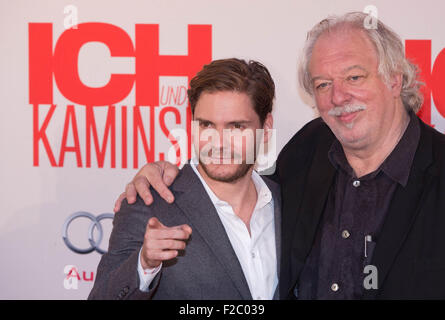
pixel 95 223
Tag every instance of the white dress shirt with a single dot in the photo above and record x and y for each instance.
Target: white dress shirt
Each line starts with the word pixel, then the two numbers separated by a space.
pixel 256 252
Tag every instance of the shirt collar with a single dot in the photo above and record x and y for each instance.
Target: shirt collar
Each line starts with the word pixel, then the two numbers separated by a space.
pixel 263 192
pixel 397 165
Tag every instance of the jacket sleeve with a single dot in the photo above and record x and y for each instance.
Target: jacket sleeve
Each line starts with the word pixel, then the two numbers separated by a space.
pixel 117 276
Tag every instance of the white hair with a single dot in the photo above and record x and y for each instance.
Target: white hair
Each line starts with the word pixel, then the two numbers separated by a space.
pixel 390 52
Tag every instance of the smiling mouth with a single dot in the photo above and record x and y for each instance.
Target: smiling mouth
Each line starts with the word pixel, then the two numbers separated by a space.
pixel 220 158
pixel 348 117
pixel 347 113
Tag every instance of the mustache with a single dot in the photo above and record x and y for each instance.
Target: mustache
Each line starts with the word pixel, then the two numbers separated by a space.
pixel 217 156
pixel 349 108
pixel 219 153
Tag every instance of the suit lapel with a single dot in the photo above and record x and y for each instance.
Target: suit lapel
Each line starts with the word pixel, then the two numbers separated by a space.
pixel 277 217
pixel 405 206
pixel 277 221
pixel 318 183
pixel 196 204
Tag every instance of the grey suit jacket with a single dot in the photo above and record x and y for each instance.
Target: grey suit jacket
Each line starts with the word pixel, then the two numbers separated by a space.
pixel 207 269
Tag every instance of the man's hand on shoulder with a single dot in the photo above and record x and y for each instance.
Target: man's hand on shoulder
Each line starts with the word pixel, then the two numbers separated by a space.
pixel 158 175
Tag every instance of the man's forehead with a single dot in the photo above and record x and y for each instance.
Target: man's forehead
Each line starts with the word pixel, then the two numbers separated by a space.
pixel 345 33
pixel 331 56
pixel 343 41
pixel 343 70
pixel 235 119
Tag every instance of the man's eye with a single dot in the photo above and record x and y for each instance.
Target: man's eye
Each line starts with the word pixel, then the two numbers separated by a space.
pixel 205 124
pixel 322 85
pixel 355 78
pixel 238 126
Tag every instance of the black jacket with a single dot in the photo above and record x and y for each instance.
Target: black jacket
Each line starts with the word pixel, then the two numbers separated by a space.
pixel 410 251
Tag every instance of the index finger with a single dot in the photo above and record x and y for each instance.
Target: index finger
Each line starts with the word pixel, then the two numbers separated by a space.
pixel 142 187
pixel 169 233
pixel 185 227
pixel 170 171
pixel 159 185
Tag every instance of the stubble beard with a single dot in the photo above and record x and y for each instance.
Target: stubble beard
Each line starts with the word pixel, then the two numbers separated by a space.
pixel 240 172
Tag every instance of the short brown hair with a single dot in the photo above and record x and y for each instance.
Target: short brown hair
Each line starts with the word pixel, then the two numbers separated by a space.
pixel 233 74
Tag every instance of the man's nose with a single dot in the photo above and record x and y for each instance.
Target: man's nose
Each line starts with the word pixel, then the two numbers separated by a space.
pixel 218 138
pixel 221 142
pixel 339 94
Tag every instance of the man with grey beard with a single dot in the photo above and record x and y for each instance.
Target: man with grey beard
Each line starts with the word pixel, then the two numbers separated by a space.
pixel 363 186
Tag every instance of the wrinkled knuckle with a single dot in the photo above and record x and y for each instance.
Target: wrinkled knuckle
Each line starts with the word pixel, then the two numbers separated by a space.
pixel 152 168
pixel 139 181
pixel 145 193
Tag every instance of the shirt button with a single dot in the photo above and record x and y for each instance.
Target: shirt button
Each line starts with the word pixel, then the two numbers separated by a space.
pixel 334 287
pixel 253 255
pixel 356 183
pixel 345 234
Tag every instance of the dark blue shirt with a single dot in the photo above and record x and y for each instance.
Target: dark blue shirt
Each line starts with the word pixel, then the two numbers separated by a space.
pixel 354 213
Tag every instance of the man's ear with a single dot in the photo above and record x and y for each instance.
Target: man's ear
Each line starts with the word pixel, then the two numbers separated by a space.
pixel 395 84
pixel 267 127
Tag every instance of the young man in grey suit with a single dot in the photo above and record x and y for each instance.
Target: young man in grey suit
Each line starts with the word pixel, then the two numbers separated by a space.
pixel 234 213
